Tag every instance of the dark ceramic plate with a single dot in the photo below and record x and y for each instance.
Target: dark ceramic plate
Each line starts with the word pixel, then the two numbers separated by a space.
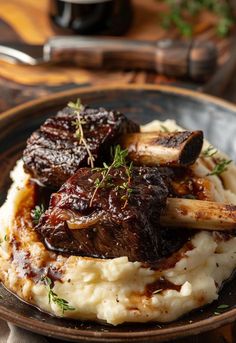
pixel 143 104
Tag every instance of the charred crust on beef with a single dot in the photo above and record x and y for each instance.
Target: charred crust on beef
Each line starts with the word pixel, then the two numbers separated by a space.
pixel 173 141
pixel 105 229
pixel 53 153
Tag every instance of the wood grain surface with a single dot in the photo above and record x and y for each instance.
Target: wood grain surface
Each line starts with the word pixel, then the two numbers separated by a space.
pixel 27 20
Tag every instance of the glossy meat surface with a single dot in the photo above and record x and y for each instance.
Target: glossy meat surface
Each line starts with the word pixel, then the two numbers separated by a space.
pixel 54 153
pixel 109 226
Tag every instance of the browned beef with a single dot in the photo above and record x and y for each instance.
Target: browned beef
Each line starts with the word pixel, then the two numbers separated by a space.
pixel 54 153
pixel 110 226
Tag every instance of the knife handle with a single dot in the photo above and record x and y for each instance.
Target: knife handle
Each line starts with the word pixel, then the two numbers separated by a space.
pixel 195 60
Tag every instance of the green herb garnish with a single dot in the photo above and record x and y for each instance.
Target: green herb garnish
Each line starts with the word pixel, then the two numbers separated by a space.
pixel 79 133
pixel 157 291
pixel 209 152
pixel 36 213
pixel 164 128
pixel 222 307
pixel 125 187
pixel 181 12
pixel 190 196
pixel 119 160
pixel 220 167
pixel 53 297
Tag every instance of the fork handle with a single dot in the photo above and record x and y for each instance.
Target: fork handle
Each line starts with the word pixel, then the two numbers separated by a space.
pixel 193 60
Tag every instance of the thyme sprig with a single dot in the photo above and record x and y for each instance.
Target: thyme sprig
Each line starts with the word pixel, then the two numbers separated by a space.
pixel 119 160
pixel 125 186
pixel 37 212
pixel 79 133
pixel 220 167
pixel 209 151
pixel 181 13
pixel 53 297
pixel 221 163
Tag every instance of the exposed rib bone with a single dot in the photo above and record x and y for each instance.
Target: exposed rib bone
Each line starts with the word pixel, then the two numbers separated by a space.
pixel 163 148
pixel 198 214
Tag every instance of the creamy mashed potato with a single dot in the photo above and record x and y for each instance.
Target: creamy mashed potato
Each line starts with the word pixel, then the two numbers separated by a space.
pixel 115 290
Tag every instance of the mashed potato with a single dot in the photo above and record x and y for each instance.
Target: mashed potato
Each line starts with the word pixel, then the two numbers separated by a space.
pixel 114 290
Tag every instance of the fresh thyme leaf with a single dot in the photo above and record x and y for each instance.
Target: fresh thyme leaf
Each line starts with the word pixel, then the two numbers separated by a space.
pixel 36 213
pixel 76 105
pixel 181 12
pixel 79 133
pixel 53 297
pixel 220 167
pixel 224 25
pixel 119 160
pixel 119 157
pixel 157 291
pixel 164 128
pixel 97 182
pixel 4 239
pixel 190 196
pixel 209 152
pixel 126 185
pixel 222 307
pixel 47 281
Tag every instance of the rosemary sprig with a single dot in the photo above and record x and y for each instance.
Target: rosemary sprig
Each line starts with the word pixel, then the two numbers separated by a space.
pixel 37 212
pixel 119 160
pixel 79 133
pixel 220 167
pixel 53 297
pixel 209 152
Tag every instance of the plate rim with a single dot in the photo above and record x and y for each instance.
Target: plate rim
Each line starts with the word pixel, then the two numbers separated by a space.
pixel 158 334
pixel 100 88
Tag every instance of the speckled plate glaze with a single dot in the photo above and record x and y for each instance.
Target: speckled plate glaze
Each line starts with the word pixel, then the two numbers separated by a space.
pixel 142 104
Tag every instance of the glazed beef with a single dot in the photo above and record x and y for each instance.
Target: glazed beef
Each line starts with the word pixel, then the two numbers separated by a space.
pixel 115 223
pixel 54 152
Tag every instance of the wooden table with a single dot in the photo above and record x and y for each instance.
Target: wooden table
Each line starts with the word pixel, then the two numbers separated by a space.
pixel 28 20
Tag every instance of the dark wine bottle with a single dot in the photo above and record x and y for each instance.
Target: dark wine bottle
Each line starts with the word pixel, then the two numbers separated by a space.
pixel 88 17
